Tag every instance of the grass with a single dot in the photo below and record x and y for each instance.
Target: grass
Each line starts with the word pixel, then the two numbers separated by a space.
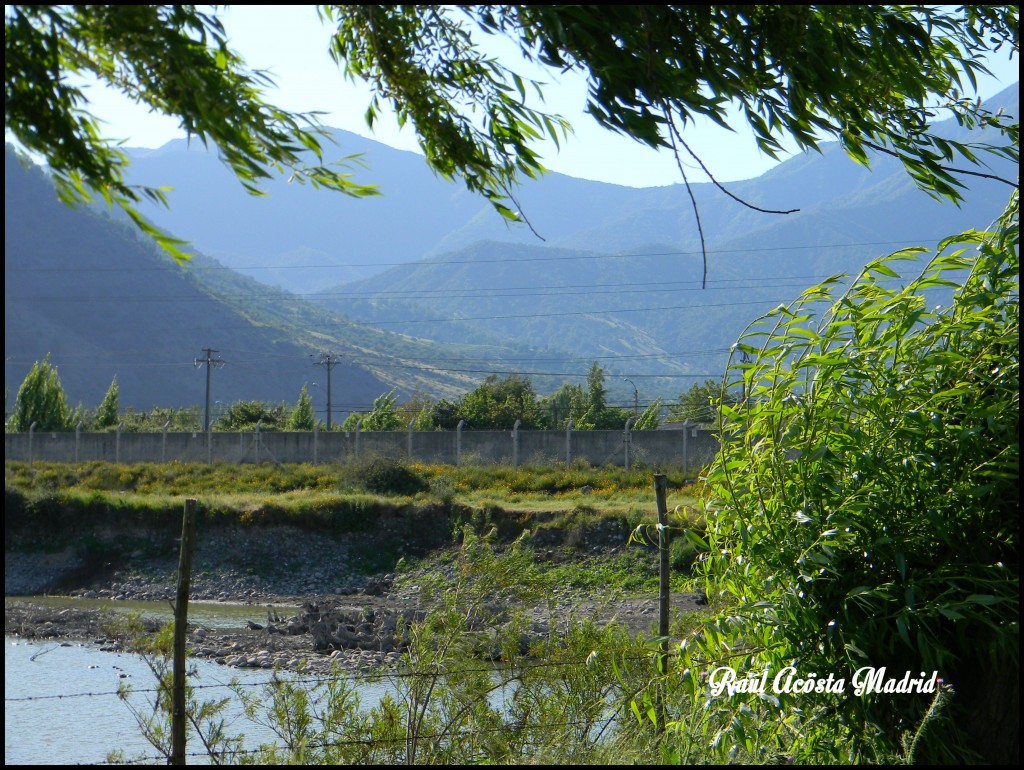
pixel 305 486
pixel 560 505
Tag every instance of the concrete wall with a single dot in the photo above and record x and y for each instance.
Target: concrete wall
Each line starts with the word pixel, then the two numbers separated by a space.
pixel 690 448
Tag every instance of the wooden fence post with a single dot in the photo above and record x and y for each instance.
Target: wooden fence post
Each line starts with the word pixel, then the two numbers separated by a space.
pixel 178 716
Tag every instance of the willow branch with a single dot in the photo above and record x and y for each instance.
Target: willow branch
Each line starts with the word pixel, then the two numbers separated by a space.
pixel 677 137
pixel 521 217
pixel 693 201
pixel 950 169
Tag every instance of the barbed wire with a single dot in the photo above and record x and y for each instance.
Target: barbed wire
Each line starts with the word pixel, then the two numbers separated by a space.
pixel 320 680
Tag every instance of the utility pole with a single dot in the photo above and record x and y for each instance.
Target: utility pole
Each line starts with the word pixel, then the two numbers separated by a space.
pixel 210 362
pixel 328 361
pixel 636 396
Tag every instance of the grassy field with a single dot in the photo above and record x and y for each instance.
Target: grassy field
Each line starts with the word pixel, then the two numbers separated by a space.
pixel 563 505
pixel 301 489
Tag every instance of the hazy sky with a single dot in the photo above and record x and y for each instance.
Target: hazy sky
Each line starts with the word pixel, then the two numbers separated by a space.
pixel 291 43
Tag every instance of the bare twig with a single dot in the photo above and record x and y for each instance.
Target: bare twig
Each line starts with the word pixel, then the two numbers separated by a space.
pixel 43 652
pixel 693 201
pixel 719 185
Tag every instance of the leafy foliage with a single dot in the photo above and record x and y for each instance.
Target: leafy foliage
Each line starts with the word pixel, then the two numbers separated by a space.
pixel 384 415
pixel 701 403
pixel 41 400
pixel 175 60
pixel 109 410
pixel 302 416
pixel 869 76
pixel 555 699
pixel 864 510
pixel 864 75
pixel 385 476
pixel 205 719
pixel 568 403
pixel 499 403
pixel 248 415
pixel 185 419
pixel 649 418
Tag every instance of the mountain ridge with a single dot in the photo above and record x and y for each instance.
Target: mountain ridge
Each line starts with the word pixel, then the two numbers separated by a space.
pixel 617 279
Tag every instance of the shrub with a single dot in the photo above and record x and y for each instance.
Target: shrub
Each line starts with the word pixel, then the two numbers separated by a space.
pixel 386 476
pixel 864 511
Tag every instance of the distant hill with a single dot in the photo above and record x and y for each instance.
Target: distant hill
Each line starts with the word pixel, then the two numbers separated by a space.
pixel 305 240
pixel 104 301
pixel 646 313
pixel 453 291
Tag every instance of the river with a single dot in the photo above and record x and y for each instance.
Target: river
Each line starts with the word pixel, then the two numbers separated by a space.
pixel 61 704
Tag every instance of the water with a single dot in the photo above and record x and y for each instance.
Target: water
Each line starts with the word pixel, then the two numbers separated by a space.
pixel 61 704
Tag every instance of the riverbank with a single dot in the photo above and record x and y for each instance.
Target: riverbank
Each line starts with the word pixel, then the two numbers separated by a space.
pixel 313 602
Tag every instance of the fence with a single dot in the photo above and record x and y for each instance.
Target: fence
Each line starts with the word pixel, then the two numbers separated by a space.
pixel 690 447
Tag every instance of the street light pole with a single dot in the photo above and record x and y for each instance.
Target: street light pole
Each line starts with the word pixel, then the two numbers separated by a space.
pixel 636 396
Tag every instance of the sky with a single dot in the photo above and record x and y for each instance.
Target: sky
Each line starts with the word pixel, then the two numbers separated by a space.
pixel 291 44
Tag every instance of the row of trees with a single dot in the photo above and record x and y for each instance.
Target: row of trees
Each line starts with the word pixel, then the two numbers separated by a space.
pixel 495 404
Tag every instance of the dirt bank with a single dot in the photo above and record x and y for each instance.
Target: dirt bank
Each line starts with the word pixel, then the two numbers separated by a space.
pixel 350 615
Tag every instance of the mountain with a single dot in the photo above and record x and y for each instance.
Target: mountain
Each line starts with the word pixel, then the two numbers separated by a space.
pixel 305 240
pixel 296 237
pixel 634 300
pixel 103 301
pixel 447 292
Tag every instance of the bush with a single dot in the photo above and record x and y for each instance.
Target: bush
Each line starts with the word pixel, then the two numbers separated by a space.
pixel 385 476
pixel 864 512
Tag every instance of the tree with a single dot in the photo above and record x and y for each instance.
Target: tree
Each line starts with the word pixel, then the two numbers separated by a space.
pixel 565 405
pixel 184 419
pixel 384 415
pixel 650 417
pixel 302 417
pixel 864 511
pixel 498 403
pixel 444 415
pixel 701 403
pixel 41 400
pixel 599 415
pixel 597 393
pixel 109 410
pixel 873 77
pixel 247 415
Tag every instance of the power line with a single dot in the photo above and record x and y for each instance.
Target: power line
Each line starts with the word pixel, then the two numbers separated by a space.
pixel 427 294
pixel 271 294
pixel 440 262
pixel 570 313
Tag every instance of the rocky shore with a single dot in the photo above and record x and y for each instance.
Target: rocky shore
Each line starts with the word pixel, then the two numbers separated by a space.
pixel 312 607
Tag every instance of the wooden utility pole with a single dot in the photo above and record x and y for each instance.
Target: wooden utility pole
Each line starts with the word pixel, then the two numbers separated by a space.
pixel 178 716
pixel 328 361
pixel 660 489
pixel 210 362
